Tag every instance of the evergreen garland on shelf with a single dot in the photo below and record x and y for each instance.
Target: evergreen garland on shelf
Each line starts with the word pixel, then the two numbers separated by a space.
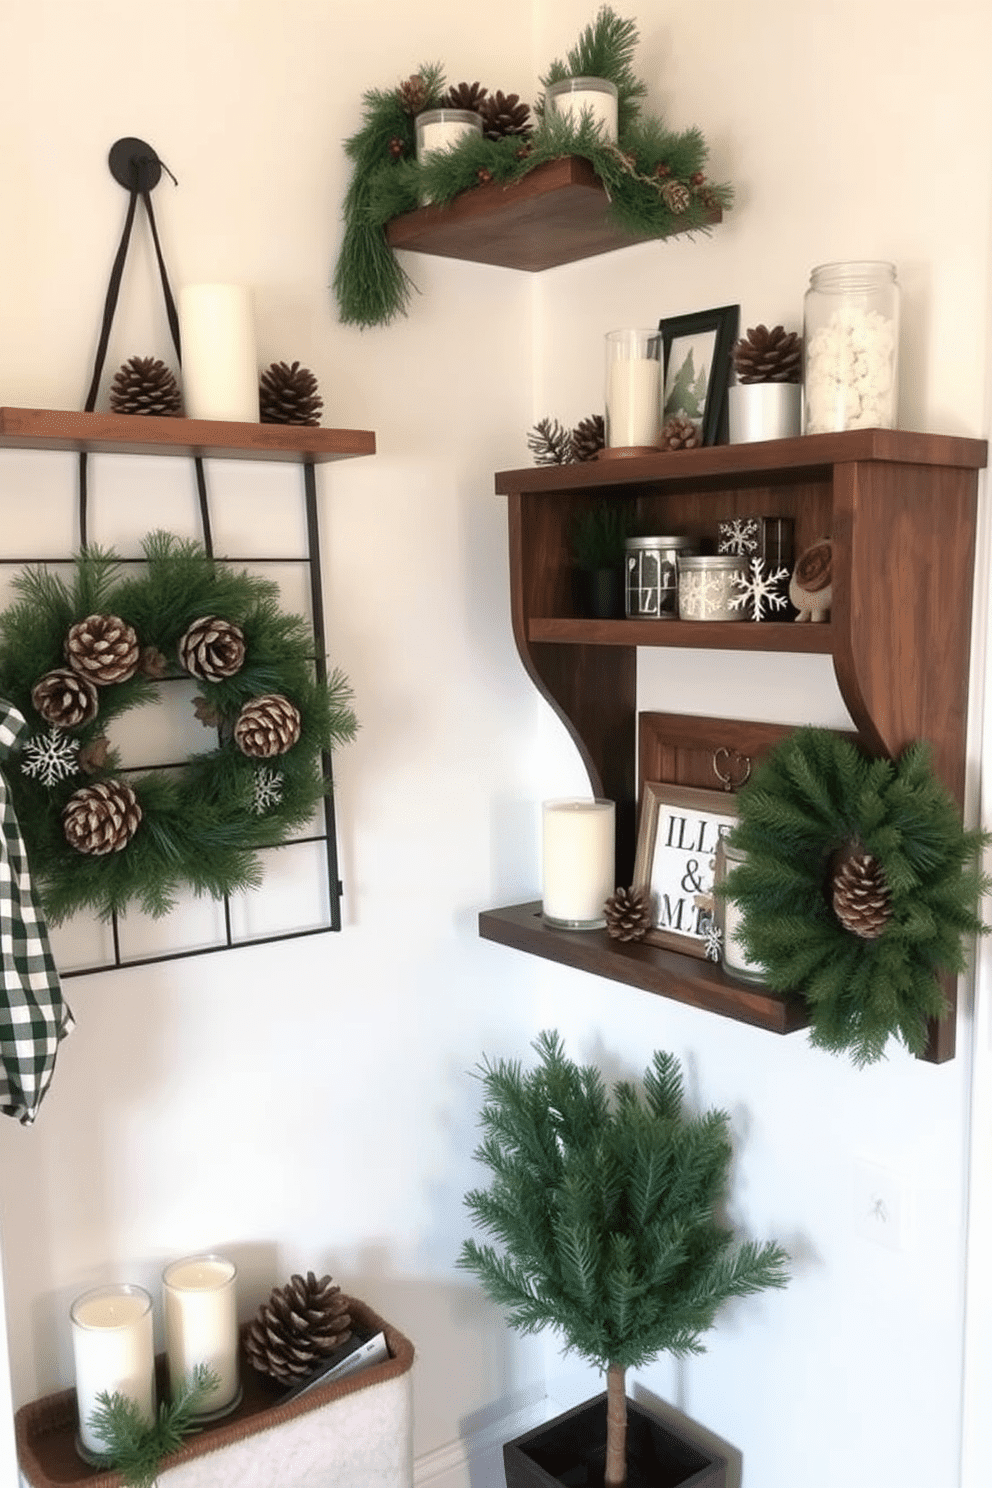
pixel 136 1449
pixel 654 178
pixel 101 838
pixel 860 885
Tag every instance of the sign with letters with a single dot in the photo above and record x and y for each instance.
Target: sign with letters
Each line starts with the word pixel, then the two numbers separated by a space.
pixel 676 859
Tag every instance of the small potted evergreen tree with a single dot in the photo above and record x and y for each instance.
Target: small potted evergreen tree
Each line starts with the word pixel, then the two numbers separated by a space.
pixel 598 537
pixel 603 1210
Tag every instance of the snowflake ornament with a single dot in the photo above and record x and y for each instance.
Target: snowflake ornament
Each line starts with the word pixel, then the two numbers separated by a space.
pixel 267 791
pixel 739 535
pixel 759 589
pixel 50 757
pixel 712 937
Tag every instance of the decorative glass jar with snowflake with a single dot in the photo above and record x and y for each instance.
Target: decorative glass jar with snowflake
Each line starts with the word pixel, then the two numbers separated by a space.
pixel 708 586
pixel 851 347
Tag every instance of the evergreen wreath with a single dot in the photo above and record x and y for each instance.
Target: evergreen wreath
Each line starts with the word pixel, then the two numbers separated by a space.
pixel 859 886
pixel 654 178
pixel 76 655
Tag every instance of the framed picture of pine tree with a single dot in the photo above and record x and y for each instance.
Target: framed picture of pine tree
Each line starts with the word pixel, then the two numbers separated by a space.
pixel 696 351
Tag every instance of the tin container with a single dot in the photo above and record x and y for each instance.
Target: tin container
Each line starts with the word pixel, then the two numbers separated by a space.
pixel 707 587
pixel 652 575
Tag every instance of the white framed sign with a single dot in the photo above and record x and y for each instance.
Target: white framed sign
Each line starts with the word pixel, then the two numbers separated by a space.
pixel 676 859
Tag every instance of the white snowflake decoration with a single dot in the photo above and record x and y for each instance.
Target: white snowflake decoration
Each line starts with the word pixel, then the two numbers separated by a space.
pixel 712 937
pixel 267 791
pixel 50 757
pixel 701 594
pixel 759 589
pixel 739 535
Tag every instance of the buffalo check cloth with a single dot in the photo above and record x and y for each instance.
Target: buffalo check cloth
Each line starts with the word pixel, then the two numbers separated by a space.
pixel 33 1017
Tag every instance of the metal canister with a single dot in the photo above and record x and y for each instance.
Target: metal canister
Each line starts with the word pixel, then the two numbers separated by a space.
pixel 651 583
pixel 707 587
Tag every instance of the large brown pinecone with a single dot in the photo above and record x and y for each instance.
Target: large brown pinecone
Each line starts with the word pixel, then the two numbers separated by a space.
pixel 628 914
pixel 588 437
pixel 101 818
pixel 504 115
pixel 467 96
pixel 65 699
pixel 860 893
pixel 300 1325
pixel 212 649
pixel 764 355
pixel 679 433
pixel 267 726
pixel 146 385
pixel 412 94
pixel 289 395
pixel 103 648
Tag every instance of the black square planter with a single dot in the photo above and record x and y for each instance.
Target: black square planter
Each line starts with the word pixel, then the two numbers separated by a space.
pixel 570 1452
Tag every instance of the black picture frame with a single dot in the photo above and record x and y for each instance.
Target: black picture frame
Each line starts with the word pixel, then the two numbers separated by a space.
pixel 714 332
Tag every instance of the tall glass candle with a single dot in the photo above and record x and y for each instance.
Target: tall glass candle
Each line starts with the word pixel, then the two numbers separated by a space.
pixel 595 97
pixel 578 862
pixel 219 361
pixel 114 1353
pixel 201 1326
pixel 633 389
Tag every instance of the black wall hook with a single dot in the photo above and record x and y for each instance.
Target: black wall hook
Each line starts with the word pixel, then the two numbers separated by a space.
pixel 135 165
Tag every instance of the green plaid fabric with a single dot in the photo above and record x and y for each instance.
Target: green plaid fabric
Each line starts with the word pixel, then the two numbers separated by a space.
pixel 33 1017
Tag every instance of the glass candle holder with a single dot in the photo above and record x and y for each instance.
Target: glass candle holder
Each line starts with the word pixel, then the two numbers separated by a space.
pixel 728 917
pixel 114 1353
pixel 633 389
pixel 578 862
pixel 594 97
pixel 201 1327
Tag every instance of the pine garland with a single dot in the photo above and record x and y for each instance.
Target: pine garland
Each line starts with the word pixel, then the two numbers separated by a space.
pixel 202 825
pixel 810 799
pixel 136 1449
pixel 640 173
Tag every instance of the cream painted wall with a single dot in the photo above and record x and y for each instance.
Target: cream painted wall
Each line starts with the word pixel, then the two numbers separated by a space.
pixel 177 1118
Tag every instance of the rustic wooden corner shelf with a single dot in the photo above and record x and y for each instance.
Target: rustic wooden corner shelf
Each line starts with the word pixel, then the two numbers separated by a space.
pixel 558 213
pixel 901 510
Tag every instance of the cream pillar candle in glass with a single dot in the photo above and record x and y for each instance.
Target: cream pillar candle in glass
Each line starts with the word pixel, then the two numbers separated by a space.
pixel 114 1353
pixel 578 862
pixel 595 97
pixel 219 361
pixel 201 1326
pixel 439 129
pixel 729 917
pixel 633 389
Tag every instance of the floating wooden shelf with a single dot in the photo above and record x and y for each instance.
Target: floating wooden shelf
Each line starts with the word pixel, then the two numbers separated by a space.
pixel 127 433
pixel 901 510
pixel 557 213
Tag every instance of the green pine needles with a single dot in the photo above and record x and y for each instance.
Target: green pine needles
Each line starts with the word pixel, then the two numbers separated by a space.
pixel 603 1209
pixel 815 798
pixel 136 1449
pixel 203 823
pixel 654 177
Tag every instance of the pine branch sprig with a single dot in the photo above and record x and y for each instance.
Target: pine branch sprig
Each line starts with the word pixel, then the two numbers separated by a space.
pixel 135 1448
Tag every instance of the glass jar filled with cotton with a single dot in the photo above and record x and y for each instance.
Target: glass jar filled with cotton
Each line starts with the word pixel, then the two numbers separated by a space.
pixel 851 347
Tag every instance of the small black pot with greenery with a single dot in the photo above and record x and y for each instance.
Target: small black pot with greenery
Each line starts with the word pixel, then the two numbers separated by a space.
pixel 597 540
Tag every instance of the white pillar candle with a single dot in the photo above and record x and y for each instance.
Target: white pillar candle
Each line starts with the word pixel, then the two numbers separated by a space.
pixel 438 129
pixel 633 389
pixel 201 1325
pixel 219 361
pixel 578 862
pixel 113 1349
pixel 597 97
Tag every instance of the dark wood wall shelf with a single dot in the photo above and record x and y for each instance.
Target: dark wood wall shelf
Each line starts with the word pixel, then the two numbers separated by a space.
pixel 135 434
pixel 558 213
pixel 901 510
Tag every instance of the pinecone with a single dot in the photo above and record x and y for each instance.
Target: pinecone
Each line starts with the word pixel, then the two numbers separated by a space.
pixel 101 818
pixel 679 433
pixel 549 443
pixel 267 726
pixel 860 894
pixel 764 355
pixel 103 648
pixel 212 649
pixel 289 395
pixel 65 699
pixel 300 1325
pixel 628 914
pixel 93 756
pixel 676 196
pixel 412 95
pixel 504 115
pixel 465 96
pixel 146 385
pixel 588 437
